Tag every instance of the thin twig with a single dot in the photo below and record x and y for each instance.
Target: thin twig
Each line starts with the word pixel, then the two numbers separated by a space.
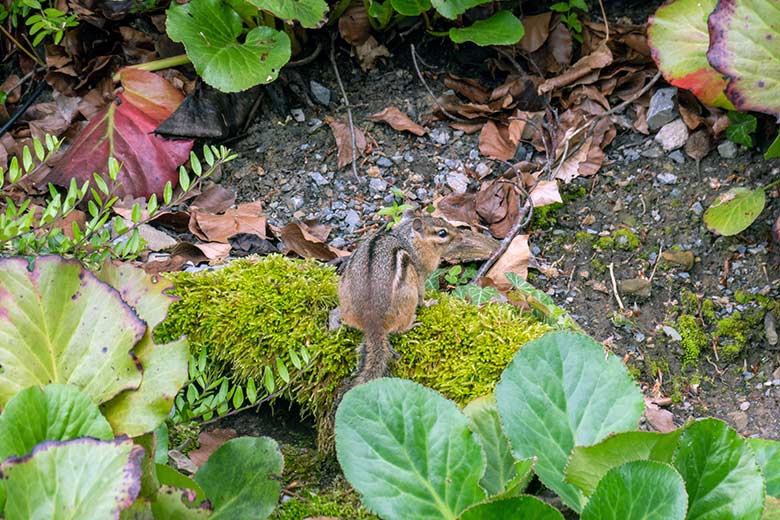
pixel 308 59
pixel 657 260
pixel 523 218
pixel 346 103
pixel 430 92
pixel 19 46
pixel 21 81
pixel 614 285
pixel 606 23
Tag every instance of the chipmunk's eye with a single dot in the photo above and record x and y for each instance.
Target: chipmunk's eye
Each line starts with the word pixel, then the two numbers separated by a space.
pixel 442 233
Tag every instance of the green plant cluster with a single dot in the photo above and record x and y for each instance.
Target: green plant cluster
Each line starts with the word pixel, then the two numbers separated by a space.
pixel 699 328
pixel 43 19
pixel 251 315
pixel 621 239
pixel 77 434
pixel 30 231
pixel 565 411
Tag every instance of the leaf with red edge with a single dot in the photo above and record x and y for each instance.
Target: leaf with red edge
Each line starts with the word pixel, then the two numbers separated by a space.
pixel 745 47
pixel 678 39
pixel 124 130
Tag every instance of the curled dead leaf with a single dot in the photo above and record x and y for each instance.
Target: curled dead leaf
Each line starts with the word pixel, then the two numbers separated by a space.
pixel 514 260
pixel 246 218
pixel 306 243
pixel 398 120
pixel 344 141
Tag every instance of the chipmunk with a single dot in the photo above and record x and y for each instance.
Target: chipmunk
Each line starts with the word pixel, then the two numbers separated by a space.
pixel 384 282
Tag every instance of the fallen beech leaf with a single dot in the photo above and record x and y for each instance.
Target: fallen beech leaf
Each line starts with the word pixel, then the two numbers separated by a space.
pixel 698 145
pixel 156 240
pixel 500 142
pixel 659 419
pixel 468 128
pixel 246 218
pixel 244 244
pixel 398 120
pixel 598 59
pixel 369 51
pixel 636 286
pixel 537 29
pixel 354 26
pixel 123 130
pixel 344 141
pixel 457 209
pixel 467 87
pixel 214 199
pixel 685 259
pixel 497 204
pixel 544 193
pixel 209 442
pixel 297 238
pixel 514 260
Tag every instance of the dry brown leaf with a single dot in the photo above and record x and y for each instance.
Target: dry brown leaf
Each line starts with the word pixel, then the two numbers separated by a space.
pixel 570 169
pixel 398 120
pixel 209 442
pixel 467 87
pixel 497 204
pixel 354 26
pixel 457 209
pixel 298 238
pixel 369 51
pixel 515 260
pixel 344 141
pixel 544 193
pixel 640 122
pixel 468 128
pixel 659 419
pixel 537 29
pixel 469 246
pixel 214 199
pixel 698 145
pixel 12 80
pixel 246 218
pixel 598 59
pixel 155 239
pixel 214 251
pixel 499 141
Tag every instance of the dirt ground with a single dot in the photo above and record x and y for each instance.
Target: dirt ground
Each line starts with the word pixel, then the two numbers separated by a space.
pixel 290 165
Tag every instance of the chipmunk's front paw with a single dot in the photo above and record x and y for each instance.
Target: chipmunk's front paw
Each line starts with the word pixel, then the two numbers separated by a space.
pixel 334 319
pixel 430 302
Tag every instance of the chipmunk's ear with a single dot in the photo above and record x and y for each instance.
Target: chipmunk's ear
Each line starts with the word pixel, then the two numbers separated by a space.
pixel 408 214
pixel 417 225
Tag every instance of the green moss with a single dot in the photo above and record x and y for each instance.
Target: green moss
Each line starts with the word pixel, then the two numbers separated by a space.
pixel 334 502
pixel 625 240
pixel 742 297
pixel 250 314
pixel 689 302
pixel 708 311
pixel 694 339
pixel 731 334
pixel 598 266
pixel 584 237
pixel 184 435
pixel 605 243
pixel 545 216
pixel 301 465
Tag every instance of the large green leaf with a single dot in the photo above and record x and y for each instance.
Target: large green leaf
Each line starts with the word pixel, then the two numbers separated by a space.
pixel 483 417
pixel 79 478
pixel 453 8
pixel 408 451
pixel 559 391
pixel 721 473
pixel 173 503
pixel 503 28
pixel 210 31
pixel 735 210
pixel 135 412
pixel 310 13
pixel 588 464
pixel 516 508
pixel 411 7
pixel 746 48
pixel 678 38
pixel 52 413
pixel 242 478
pixel 768 456
pixel 638 490
pixel 60 324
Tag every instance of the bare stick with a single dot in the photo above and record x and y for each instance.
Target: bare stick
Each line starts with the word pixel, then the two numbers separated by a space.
pixel 657 259
pixel 346 103
pixel 523 218
pixel 614 285
pixel 430 92
pixel 308 59
pixel 606 23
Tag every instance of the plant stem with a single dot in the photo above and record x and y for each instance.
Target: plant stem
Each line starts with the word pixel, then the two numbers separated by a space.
pixel 771 185
pixel 164 63
pixel 21 47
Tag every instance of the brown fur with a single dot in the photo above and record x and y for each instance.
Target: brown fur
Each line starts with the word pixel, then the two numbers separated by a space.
pixel 384 282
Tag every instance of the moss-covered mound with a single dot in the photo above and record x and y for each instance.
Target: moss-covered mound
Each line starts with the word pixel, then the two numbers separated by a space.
pixel 254 312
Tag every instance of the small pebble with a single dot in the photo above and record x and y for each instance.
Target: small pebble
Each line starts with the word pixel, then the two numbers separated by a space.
pixel 408 157
pixel 727 150
pixel 697 208
pixel 440 135
pixel 377 184
pixel 677 156
pixel 353 220
pixel 318 178
pixel 320 92
pixel 384 162
pixel 744 406
pixel 298 115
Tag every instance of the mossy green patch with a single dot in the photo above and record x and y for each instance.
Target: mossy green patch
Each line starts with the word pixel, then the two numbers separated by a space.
pixel 334 502
pixel 605 243
pixel 250 314
pixel 626 240
pixel 694 338
pixel 734 332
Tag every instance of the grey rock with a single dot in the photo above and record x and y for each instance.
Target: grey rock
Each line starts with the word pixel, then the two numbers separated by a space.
pixel 298 115
pixel 384 162
pixel 652 153
pixel 408 157
pixel 677 156
pixel 744 406
pixel 320 92
pixel 727 150
pixel 474 154
pixel 697 208
pixel 663 108
pixel 353 220
pixel 482 169
pixel 296 202
pixel 318 178
pixel 666 178
pixel 672 333
pixel 440 135
pixel 458 181
pixel 338 242
pixel 672 135
pixel 377 184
